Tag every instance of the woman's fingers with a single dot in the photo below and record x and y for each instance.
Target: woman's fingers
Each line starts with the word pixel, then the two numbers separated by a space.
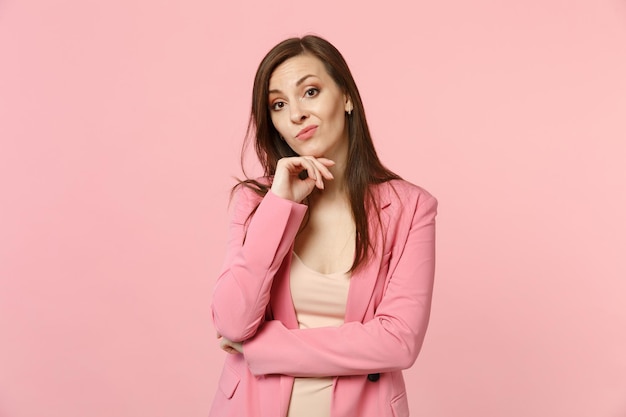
pixel 231 347
pixel 313 172
pixel 317 169
pixel 289 181
pixel 321 165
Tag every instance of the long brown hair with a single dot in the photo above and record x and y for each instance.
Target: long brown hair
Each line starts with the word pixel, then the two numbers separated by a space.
pixel 363 165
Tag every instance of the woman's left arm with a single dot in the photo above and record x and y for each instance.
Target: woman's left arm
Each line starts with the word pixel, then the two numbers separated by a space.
pixel 390 341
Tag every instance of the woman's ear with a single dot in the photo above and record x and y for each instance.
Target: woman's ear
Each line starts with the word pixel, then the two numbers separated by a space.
pixel 348 107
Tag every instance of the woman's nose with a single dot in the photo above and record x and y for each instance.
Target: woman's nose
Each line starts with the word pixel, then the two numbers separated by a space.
pixel 298 112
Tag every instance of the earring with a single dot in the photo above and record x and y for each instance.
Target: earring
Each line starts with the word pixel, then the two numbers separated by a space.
pixel 350 112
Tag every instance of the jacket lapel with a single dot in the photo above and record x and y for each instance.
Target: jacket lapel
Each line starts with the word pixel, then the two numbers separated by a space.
pixel 365 277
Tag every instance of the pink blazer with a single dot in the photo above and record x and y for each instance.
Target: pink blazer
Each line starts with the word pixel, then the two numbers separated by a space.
pixel 386 318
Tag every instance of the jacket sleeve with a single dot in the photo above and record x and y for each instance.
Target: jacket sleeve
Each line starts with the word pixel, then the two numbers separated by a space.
pixel 254 254
pixel 390 341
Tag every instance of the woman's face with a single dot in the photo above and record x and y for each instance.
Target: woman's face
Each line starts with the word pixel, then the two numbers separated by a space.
pixel 308 109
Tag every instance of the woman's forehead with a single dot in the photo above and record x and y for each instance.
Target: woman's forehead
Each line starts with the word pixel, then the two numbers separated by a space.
pixel 292 71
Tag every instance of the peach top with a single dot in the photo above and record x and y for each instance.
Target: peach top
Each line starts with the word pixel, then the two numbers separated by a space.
pixel 320 301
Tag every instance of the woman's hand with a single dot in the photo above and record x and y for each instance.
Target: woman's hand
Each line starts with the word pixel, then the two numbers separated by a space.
pixel 288 183
pixel 229 346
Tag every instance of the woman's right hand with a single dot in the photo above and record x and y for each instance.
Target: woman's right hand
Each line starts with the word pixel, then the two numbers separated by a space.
pixel 287 182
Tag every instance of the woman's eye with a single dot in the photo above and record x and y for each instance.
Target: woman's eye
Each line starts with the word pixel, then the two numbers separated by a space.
pixel 278 105
pixel 311 92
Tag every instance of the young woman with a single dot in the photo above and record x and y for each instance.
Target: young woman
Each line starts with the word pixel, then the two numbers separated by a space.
pixel 325 293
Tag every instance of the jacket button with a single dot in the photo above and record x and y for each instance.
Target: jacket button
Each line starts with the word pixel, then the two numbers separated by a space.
pixel 373 377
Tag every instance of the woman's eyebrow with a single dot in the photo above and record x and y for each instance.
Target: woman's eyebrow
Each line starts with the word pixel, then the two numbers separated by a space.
pixel 298 83
pixel 303 79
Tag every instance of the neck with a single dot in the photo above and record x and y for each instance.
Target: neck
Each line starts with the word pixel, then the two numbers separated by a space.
pixel 337 186
pixel 333 189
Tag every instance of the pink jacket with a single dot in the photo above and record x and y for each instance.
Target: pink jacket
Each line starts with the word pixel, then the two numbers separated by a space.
pixel 386 318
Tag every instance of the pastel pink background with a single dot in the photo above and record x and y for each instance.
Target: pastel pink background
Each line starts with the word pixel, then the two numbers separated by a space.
pixel 120 130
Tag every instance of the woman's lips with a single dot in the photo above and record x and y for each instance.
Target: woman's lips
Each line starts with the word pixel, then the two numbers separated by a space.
pixel 306 133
